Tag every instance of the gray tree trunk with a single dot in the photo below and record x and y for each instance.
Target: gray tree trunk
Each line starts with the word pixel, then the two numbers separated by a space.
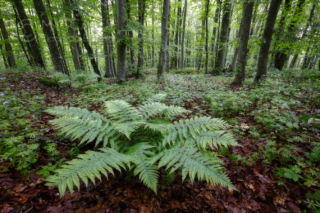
pixel 9 51
pixel 243 45
pixel 106 39
pixel 85 41
pixel 53 48
pixel 57 37
pixel 214 32
pixel 130 46
pixel 176 42
pixel 164 38
pixel 183 33
pixel 207 36
pixel 121 35
pixel 153 54
pixel 141 5
pixel 220 61
pixel 266 40
pixel 3 55
pixel 72 38
pixel 29 35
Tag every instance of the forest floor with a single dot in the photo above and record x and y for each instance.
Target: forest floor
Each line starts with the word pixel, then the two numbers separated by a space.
pixel 276 168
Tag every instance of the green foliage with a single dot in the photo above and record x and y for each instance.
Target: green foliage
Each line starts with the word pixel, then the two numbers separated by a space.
pixel 228 103
pixel 142 139
pixel 22 155
pixel 45 171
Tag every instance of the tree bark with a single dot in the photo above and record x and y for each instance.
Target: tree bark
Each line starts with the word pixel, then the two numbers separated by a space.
pixel 219 63
pixel 131 67
pixel 281 55
pixel 214 32
pixel 207 35
pixel 9 51
pixel 72 38
pixel 164 38
pixel 121 46
pixel 106 39
pixel 56 35
pixel 183 33
pixel 176 41
pixel 244 39
pixel 85 40
pixel 29 35
pixel 53 48
pixel 266 40
pixel 3 55
pixel 141 5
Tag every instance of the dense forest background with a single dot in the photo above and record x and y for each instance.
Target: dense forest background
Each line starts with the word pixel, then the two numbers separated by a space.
pixel 160 106
pixel 205 35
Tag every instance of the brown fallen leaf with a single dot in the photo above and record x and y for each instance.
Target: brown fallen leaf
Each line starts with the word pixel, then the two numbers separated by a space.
pixel 20 188
pixel 293 208
pixel 144 209
pixel 5 208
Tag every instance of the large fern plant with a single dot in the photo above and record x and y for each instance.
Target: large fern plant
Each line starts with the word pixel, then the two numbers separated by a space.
pixel 142 139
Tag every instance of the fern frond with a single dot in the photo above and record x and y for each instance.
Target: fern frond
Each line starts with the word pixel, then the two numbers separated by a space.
pixel 122 111
pixel 157 109
pixel 156 98
pixel 193 163
pixel 89 166
pixel 184 129
pixel 215 139
pixel 148 173
pixel 61 111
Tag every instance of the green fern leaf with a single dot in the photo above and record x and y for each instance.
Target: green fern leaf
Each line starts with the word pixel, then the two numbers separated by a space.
pixel 89 166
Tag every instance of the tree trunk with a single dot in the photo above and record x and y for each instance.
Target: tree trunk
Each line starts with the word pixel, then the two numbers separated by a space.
pixel 214 37
pixel 56 34
pixel 9 51
pixel 29 35
pixel 207 36
pixel 53 48
pixel 281 55
pixel 3 55
pixel 183 33
pixel 121 36
pixel 236 51
pixel 167 63
pixel 153 42
pixel 219 63
pixel 85 40
pixel 304 33
pixel 266 40
pixel 164 38
pixel 29 54
pixel 106 39
pixel 244 39
pixel 131 67
pixel 72 38
pixel 176 41
pixel 141 5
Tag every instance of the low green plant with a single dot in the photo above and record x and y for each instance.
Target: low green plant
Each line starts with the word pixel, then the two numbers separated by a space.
pixel 143 140
pixel 45 171
pixel 19 154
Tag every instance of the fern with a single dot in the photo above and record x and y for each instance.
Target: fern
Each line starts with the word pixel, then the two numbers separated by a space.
pixel 144 140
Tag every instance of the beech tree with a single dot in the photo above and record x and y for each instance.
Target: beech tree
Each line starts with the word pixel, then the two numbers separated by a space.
pixel 121 44
pixel 53 48
pixel 266 40
pixel 9 53
pixel 29 35
pixel 244 39
pixel 222 44
pixel 164 38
